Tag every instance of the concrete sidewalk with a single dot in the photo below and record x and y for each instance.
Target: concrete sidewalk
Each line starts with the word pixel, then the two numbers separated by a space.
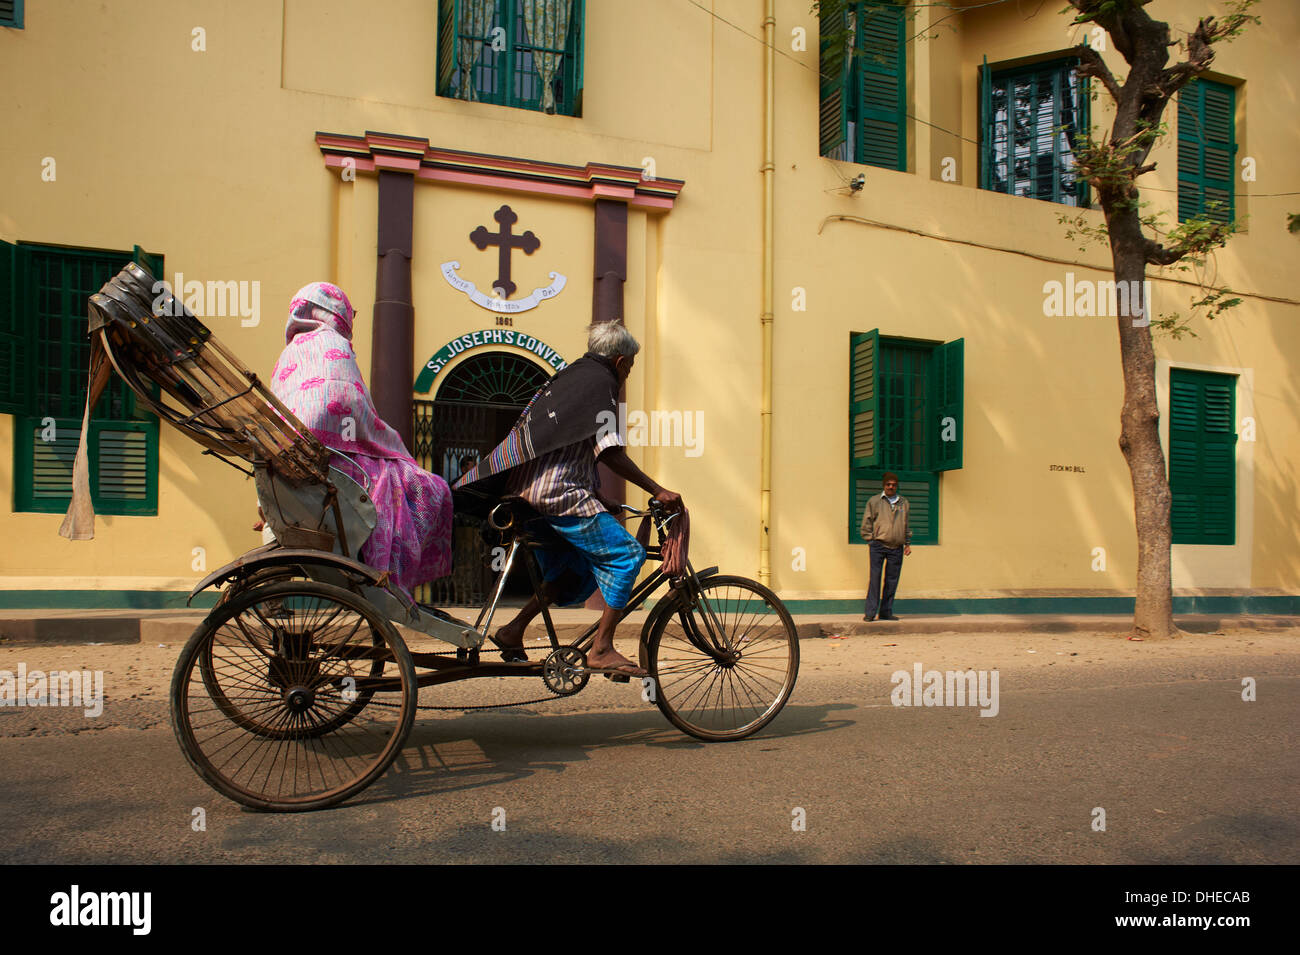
pixel 62 627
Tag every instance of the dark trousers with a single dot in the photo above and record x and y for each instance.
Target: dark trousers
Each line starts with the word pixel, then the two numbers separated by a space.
pixel 892 558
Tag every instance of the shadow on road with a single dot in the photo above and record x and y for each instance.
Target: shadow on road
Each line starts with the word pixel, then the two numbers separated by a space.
pixel 484 749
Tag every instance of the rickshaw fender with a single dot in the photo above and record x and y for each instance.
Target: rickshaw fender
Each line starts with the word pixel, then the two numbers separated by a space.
pixel 271 555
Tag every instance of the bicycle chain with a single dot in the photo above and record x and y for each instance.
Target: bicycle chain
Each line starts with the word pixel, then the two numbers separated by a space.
pixel 484 706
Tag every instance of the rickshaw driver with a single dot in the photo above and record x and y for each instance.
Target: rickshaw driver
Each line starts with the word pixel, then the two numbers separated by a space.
pixel 549 459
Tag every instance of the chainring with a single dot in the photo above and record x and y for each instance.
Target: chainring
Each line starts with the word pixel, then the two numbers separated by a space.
pixel 565 671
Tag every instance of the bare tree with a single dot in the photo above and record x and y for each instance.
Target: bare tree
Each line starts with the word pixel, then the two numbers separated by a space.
pixel 1112 167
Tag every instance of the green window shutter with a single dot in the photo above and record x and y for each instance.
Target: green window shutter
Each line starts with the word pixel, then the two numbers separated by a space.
pixel 922 492
pixel 1206 151
pixel 11 14
pixel 122 446
pixel 1220 150
pixel 448 45
pixel 43 468
pixel 1202 457
pixel 834 66
pixel 947 380
pixel 123 459
pixel 864 376
pixel 125 467
pixel 882 123
pixel 577 52
pixel 15 331
pixel 921 488
pixel 1191 181
pixel 859 491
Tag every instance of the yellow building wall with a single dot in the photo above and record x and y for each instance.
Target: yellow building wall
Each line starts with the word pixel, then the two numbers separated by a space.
pixel 1038 390
pixel 209 157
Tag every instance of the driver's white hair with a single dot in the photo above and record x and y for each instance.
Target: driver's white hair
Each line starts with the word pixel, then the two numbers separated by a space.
pixel 610 339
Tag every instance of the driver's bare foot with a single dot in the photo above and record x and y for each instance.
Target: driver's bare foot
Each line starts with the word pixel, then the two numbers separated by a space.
pixel 510 640
pixel 510 636
pixel 613 660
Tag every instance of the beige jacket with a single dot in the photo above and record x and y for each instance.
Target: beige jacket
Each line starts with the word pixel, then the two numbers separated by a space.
pixel 886 523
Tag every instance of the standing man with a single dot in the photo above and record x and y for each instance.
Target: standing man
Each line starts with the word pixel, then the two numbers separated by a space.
pixel 887 531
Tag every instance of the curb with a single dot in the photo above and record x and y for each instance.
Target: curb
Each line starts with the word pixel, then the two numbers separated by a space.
pixel 170 628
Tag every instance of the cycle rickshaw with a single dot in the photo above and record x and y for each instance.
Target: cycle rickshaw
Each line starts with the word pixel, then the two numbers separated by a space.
pixel 298 689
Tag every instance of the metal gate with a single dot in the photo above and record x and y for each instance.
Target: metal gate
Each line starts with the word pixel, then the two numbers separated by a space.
pixel 477 404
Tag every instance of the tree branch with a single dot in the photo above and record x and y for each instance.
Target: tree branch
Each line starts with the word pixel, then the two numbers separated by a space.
pixel 1200 52
pixel 1093 65
pixel 1157 254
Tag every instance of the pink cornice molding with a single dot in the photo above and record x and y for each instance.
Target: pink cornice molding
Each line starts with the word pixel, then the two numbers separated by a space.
pixel 384 151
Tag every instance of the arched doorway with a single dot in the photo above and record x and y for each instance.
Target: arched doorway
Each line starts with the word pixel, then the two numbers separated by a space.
pixel 476 404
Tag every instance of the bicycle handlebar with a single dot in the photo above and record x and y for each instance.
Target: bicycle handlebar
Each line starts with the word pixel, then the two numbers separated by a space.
pixel 657 512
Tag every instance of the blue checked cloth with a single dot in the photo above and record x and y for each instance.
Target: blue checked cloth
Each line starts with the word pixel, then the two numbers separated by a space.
pixel 602 554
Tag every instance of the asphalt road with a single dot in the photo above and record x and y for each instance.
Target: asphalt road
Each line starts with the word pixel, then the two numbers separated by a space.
pixel 1158 737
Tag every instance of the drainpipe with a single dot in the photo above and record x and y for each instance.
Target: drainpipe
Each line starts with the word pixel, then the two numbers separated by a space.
pixel 769 173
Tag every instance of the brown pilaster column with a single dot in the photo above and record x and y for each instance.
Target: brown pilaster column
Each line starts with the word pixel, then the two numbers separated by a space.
pixel 611 261
pixel 607 298
pixel 392 359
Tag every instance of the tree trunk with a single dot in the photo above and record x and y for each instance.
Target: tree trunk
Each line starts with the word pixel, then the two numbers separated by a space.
pixel 1140 439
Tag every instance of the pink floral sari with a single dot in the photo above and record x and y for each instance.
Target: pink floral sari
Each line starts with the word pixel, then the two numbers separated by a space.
pixel 318 379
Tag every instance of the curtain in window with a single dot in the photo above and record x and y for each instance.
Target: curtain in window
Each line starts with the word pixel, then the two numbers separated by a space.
pixel 475 15
pixel 547 23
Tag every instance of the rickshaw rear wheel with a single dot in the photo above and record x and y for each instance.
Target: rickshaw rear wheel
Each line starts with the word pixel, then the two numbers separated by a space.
pixel 724 662
pixel 264 726
pixel 268 693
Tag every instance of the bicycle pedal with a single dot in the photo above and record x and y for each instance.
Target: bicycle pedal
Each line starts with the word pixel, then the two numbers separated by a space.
pixel 617 677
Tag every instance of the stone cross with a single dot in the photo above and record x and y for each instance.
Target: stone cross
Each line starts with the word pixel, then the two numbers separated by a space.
pixel 528 242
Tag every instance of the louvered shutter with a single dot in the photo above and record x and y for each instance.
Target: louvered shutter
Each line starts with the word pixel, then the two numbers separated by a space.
pixel 122 446
pixel 15 343
pixel 922 493
pixel 919 487
pixel 947 382
pixel 48 463
pixel 864 422
pixel 1218 106
pixel 126 466
pixel 834 66
pixel 1206 151
pixel 882 128
pixel 859 492
pixel 11 14
pixel 1202 457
